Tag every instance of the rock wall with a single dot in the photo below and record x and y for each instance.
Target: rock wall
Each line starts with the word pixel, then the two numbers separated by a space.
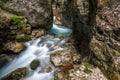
pixel 96 25
pixel 106 39
pixel 36 11
pixel 62 13
pixel 96 29
pixel 21 21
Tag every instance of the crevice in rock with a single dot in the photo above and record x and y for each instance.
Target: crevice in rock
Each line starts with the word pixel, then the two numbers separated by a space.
pixel 85 31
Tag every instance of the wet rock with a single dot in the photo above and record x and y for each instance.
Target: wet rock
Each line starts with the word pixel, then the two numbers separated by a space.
pixel 22 37
pixel 37 33
pixel 4 59
pixel 60 58
pixel 61 12
pixel 16 75
pixel 62 73
pixel 83 7
pixel 59 75
pixel 46 69
pixel 57 21
pixel 15 47
pixel 28 30
pixel 34 64
pixel 36 12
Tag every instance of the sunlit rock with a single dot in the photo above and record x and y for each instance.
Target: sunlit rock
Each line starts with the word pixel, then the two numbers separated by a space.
pixel 16 47
pixel 37 33
pixel 60 58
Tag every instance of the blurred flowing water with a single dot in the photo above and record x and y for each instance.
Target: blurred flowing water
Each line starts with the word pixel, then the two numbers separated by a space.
pixel 39 49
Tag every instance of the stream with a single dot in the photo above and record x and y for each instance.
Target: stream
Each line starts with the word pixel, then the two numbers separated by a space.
pixel 39 49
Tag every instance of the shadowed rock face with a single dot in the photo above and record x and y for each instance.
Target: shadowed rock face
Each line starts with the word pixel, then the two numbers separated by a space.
pixel 96 29
pixel 30 17
pixel 37 12
pixel 106 39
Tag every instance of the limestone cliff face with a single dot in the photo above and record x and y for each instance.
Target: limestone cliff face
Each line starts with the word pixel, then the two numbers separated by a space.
pixel 105 43
pixel 96 29
pixel 37 12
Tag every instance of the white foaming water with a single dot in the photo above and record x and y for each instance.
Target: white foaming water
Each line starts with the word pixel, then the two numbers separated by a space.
pixel 39 49
pixel 60 30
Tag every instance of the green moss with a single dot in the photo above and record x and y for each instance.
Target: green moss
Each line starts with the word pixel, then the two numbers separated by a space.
pixel 17 20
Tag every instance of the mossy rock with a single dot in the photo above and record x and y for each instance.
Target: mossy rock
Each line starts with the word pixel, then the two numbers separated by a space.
pixel 22 37
pixel 34 64
pixel 16 75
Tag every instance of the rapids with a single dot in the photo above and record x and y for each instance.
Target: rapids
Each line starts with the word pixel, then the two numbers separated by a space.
pixel 38 49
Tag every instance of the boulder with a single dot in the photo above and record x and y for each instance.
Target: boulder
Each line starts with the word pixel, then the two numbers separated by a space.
pixel 36 33
pixel 18 74
pixel 63 57
pixel 15 47
pixel 34 64
pixel 37 12
pixel 46 69
pixel 60 58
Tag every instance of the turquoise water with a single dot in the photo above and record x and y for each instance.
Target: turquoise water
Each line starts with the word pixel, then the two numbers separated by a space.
pixel 60 30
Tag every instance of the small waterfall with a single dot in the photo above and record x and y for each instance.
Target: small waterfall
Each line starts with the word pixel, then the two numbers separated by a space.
pixel 39 49
pixel 60 30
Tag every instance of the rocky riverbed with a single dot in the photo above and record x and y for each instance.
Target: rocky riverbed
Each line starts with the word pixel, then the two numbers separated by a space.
pixel 92 51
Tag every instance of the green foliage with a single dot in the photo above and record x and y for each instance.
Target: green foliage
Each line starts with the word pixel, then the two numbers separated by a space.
pixel 17 20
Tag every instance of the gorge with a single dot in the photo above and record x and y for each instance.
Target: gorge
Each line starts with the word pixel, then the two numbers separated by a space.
pixel 35 32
